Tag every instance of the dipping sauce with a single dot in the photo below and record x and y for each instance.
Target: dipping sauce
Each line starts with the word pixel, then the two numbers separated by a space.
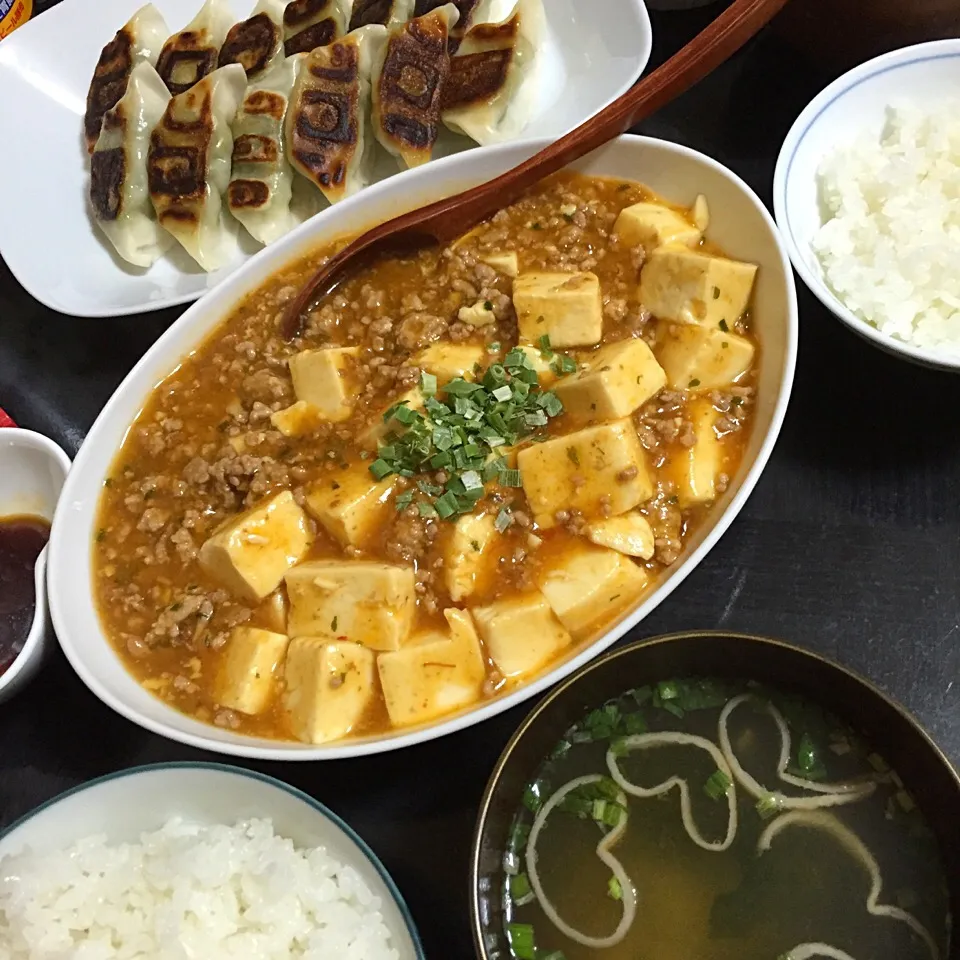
pixel 21 540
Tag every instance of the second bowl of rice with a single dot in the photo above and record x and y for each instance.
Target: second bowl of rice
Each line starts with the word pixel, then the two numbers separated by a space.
pixel 195 860
pixel 867 195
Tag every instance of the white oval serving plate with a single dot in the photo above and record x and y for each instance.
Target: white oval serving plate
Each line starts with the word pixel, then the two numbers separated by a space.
pixel 853 105
pixel 595 50
pixel 739 223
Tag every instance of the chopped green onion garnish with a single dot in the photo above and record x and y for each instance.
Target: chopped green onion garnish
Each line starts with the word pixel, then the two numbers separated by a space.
pixel 668 690
pixel 551 403
pixel 460 433
pixel 634 723
pixel 614 889
pixel 562 365
pixel 380 469
pixel 544 344
pixel 671 707
pixel 426 509
pixel 768 806
pixel 471 480
pixel 806 754
pixel 403 414
pixel 718 785
pixel 404 500
pixel 519 835
pixel 641 695
pixel 522 941
pixel 520 886
pixel 510 478
pixel 532 799
pixel 459 387
pixel 428 384
pixel 504 520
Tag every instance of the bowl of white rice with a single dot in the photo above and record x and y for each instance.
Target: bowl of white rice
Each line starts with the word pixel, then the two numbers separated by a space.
pixel 195 860
pixel 867 196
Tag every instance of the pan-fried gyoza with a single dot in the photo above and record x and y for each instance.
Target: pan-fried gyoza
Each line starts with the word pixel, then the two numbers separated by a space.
pixel 330 91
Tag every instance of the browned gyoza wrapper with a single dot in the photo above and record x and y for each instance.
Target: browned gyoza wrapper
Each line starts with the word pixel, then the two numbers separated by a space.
pixel 491 93
pixel 255 44
pixel 466 8
pixel 328 114
pixel 407 89
pixel 387 13
pixel 188 164
pixel 191 54
pixel 309 24
pixel 480 76
pixel 141 38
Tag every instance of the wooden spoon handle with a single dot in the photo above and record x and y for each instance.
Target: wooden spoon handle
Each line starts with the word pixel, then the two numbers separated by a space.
pixel 704 53
pixel 446 220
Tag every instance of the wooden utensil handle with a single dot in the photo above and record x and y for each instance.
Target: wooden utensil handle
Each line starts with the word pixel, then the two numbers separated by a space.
pixel 711 47
pixel 446 220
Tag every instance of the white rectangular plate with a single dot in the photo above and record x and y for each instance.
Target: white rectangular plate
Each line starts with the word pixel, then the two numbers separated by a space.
pixel 596 49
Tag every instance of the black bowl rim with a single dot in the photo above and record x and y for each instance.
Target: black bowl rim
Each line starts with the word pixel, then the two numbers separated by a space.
pixel 559 691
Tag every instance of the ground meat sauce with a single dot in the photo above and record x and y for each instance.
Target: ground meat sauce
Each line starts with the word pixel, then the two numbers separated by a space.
pixel 204 448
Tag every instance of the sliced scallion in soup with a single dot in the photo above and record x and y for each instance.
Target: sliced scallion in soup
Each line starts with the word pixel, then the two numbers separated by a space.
pixel 470 462
pixel 706 818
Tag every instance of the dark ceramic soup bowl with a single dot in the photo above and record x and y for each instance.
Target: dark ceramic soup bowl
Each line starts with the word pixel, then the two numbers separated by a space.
pixel 927 774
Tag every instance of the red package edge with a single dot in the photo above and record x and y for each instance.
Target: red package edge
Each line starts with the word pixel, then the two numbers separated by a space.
pixel 5 419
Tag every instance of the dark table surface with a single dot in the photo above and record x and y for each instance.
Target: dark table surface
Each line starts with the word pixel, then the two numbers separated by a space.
pixel 848 546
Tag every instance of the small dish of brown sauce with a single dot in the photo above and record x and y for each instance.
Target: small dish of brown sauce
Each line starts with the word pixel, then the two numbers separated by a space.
pixel 22 538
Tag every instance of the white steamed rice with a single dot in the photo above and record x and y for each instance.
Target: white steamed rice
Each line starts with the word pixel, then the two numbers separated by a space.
pixel 889 246
pixel 187 891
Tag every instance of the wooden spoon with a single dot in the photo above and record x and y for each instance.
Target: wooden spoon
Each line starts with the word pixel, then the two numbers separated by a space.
pixel 448 219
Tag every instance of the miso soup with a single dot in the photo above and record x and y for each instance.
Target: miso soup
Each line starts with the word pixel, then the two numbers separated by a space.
pixel 706 820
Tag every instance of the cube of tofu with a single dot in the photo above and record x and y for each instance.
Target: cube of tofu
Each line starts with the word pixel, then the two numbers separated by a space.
pixel 687 286
pixel 480 314
pixel 651 225
pixel 363 602
pixel 447 361
pixel 521 634
pixel 250 554
pixel 329 687
pixel 589 586
pixel 546 375
pixel 584 471
pixel 630 533
pixel 296 420
pixel 703 358
pixel 694 470
pixel 506 263
pixel 321 378
pixel 245 679
pixel 373 436
pixel 349 503
pixel 612 383
pixel 566 306
pixel 438 672
pixel 272 613
pixel 467 552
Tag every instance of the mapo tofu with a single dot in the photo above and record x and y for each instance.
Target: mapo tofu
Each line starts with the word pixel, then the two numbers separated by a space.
pixel 468 464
